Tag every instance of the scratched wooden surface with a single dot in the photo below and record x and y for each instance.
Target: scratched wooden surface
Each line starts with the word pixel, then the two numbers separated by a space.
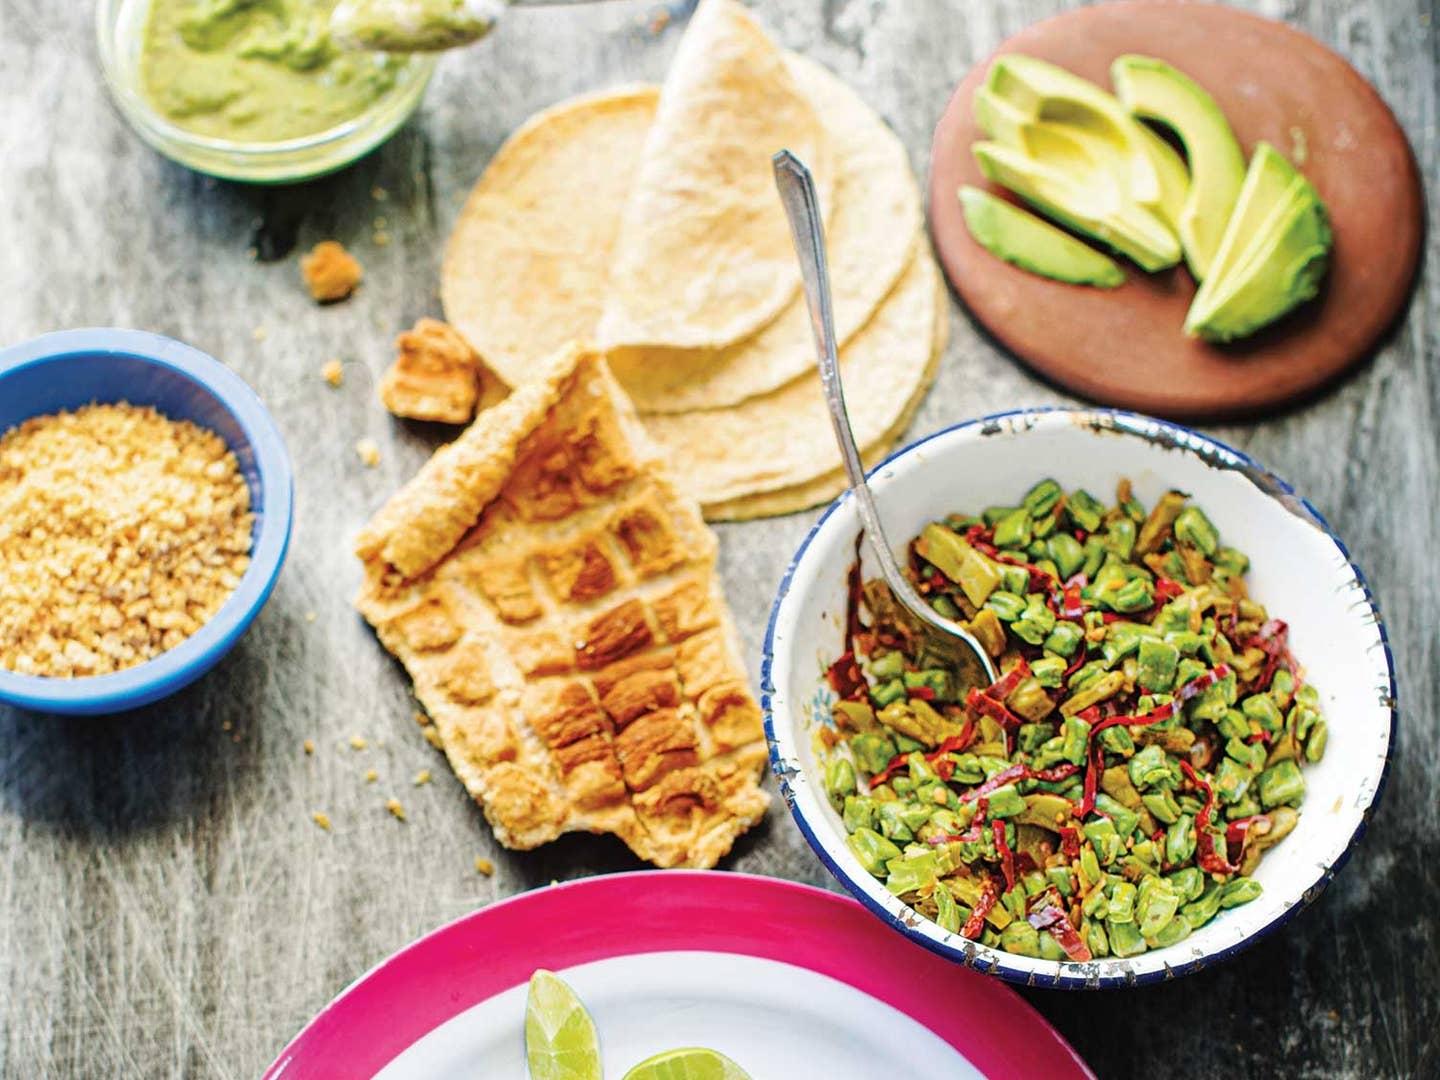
pixel 167 908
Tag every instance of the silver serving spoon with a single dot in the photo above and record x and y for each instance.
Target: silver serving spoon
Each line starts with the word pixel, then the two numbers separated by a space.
pixel 797 193
pixel 410 26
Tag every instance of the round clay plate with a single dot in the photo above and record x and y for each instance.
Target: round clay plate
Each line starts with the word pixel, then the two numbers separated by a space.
pixel 1125 346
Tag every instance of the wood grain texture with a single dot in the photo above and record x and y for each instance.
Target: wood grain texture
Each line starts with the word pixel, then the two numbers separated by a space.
pixel 167 908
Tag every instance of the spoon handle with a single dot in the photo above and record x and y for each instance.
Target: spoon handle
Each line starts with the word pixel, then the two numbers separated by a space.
pixel 802 208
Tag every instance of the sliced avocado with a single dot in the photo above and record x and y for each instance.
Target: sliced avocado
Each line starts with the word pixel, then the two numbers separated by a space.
pixel 1046 92
pixel 1090 202
pixel 1021 238
pixel 1174 178
pixel 1156 91
pixel 1280 269
pixel 1266 183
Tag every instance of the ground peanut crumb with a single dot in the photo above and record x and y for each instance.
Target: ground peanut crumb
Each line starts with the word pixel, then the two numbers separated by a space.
pixel 358 742
pixel 332 371
pixel 331 273
pixel 123 533
pixel 484 866
pixel 321 819
pixel 371 776
pixel 309 746
pixel 422 777
pixel 398 811
pixel 368 451
pixel 433 737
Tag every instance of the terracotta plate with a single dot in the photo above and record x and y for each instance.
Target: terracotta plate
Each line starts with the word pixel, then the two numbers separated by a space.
pixel 1125 346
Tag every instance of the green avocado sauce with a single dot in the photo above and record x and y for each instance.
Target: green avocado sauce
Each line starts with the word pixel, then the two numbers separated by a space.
pixel 256 70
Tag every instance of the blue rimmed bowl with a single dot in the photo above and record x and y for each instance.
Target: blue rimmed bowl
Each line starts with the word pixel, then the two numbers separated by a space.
pixel 72 368
pixel 1299 569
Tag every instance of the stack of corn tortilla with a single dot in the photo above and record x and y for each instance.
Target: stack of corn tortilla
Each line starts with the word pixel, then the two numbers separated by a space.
pixel 646 219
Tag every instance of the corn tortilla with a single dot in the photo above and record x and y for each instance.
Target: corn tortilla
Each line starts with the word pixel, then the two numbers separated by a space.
pixel 703 257
pixel 784 438
pixel 526 264
pixel 822 489
pixel 871 235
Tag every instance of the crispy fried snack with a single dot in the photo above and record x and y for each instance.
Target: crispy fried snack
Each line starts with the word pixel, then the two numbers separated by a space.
pixel 437 376
pixel 555 600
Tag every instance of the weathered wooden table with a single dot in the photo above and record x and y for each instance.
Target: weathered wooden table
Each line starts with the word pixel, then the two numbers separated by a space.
pixel 168 908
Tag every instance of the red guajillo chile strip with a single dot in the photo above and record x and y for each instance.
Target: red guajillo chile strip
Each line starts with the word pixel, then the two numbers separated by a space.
pixel 936 757
pixel 1007 857
pixel 1239 829
pixel 999 780
pixel 1195 686
pixel 1038 578
pixel 989 894
pixel 846 678
pixel 1168 589
pixel 988 706
pixel 1208 859
pixel 1070 841
pixel 1051 918
pixel 1273 637
pixel 971 835
pixel 1004 686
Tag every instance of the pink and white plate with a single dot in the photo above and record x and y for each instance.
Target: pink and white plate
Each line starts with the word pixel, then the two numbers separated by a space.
pixel 786 979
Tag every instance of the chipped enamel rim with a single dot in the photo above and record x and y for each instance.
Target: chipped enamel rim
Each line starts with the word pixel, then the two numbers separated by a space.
pixel 1295 548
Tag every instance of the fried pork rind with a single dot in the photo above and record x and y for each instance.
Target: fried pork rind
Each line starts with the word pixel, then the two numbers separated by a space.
pixel 331 273
pixel 556 602
pixel 437 376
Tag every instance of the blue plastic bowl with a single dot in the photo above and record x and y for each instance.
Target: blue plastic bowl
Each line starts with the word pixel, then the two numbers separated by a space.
pixel 76 367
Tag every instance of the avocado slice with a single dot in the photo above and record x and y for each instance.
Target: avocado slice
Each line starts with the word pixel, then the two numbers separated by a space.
pixel 1281 267
pixel 1021 238
pixel 1266 183
pixel 1154 90
pixel 1008 124
pixel 1090 202
pixel 1045 92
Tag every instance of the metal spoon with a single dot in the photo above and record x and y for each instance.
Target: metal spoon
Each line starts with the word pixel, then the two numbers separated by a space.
pixel 409 26
pixel 797 193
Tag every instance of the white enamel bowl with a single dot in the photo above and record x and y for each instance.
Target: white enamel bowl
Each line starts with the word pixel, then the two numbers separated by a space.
pixel 1299 569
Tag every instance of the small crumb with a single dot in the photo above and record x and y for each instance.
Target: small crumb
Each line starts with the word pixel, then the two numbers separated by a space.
pixel 1299 145
pixel 309 746
pixel 321 819
pixel 1339 800
pixel 379 194
pixel 259 333
pixel 396 810
pixel 421 718
pixel 436 375
pixel 422 777
pixel 368 451
pixel 1334 1015
pixel 331 273
pixel 433 737
pixel 332 371
pixel 358 742
pixel 226 725
pixel 484 866
pixel 380 238
pixel 371 776
pixel 310 616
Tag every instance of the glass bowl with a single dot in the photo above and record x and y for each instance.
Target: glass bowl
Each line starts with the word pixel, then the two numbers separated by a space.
pixel 119 27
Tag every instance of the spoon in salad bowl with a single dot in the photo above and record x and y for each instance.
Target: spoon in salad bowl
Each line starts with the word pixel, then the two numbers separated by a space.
pixel 802 208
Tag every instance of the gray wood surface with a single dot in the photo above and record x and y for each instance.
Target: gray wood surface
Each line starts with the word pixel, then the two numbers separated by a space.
pixel 167 908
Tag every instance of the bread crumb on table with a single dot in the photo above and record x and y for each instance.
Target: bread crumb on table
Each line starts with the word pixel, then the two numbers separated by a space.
pixel 433 737
pixel 331 273
pixel 358 742
pixel 484 866
pixel 321 819
pixel 308 746
pixel 124 532
pixel 332 371
pixel 422 777
pixel 368 451
pixel 396 810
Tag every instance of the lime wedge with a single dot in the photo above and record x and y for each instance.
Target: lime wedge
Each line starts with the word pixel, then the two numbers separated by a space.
pixel 560 1039
pixel 691 1064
